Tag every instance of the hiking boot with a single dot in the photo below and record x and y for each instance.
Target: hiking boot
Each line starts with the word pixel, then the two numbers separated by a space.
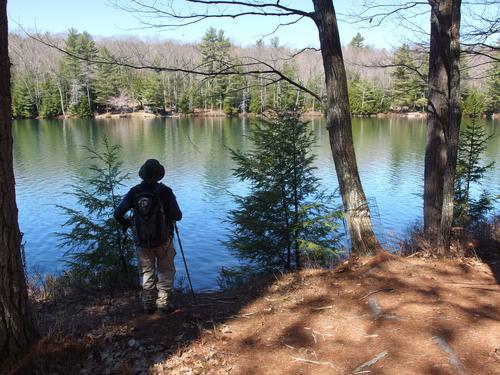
pixel 166 310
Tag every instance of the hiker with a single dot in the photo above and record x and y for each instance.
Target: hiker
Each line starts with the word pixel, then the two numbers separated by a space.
pixel 155 210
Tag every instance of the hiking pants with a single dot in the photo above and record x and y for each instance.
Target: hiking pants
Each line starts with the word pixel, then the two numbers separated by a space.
pixel 157 273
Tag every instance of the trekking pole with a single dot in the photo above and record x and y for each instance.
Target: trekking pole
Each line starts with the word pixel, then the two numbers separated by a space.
pixel 184 259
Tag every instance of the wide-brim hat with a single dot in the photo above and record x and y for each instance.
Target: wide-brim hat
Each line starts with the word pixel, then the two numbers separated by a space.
pixel 152 171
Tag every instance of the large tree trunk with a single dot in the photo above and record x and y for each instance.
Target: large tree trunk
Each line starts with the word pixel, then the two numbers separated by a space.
pixel 16 328
pixel 437 118
pixel 443 121
pixel 338 119
pixel 452 135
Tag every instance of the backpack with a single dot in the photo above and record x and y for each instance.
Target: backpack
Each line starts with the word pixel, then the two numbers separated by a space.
pixel 152 229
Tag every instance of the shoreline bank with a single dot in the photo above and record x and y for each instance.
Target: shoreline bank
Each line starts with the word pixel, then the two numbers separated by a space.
pixel 217 114
pixel 308 114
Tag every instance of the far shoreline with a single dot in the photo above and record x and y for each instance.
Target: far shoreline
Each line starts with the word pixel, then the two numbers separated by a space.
pixel 218 114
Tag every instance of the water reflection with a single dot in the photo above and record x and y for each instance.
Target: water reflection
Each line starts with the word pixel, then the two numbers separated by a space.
pixel 49 157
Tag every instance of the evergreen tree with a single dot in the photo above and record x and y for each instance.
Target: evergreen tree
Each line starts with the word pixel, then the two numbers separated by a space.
pixel 78 73
pixel 285 221
pixel 50 105
pixel 71 72
pixel 471 170
pixel 233 98
pixel 315 84
pixel 135 84
pixel 289 97
pixel 256 98
pixel 23 105
pixel 184 106
pixel 214 49
pixel 358 41
pixel 274 42
pixel 473 104
pixel 108 81
pixel 98 255
pixel 88 51
pixel 492 99
pixel 465 87
pixel 152 93
pixel 409 89
pixel 365 98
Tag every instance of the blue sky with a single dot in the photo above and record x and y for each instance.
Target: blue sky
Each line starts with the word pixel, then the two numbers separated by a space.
pixel 100 18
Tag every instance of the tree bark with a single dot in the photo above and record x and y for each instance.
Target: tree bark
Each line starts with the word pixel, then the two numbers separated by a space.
pixel 16 328
pixel 437 119
pixel 452 135
pixel 443 122
pixel 338 117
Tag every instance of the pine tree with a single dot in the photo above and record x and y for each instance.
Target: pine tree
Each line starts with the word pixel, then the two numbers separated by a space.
pixel 315 84
pixel 184 106
pixel 23 105
pixel 358 41
pixel 471 170
pixel 289 97
pixel 409 89
pixel 88 51
pixel 492 99
pixel 50 103
pixel 256 99
pixel 233 97
pixel 98 255
pixel 365 98
pixel 78 73
pixel 152 93
pixel 473 104
pixel 108 81
pixel 70 72
pixel 214 49
pixel 285 221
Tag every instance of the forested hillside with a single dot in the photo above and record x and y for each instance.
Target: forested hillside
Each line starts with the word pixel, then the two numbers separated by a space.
pixel 125 74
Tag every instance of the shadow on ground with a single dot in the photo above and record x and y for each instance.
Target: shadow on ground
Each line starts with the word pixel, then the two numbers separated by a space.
pixel 113 336
pixel 489 247
pixel 389 316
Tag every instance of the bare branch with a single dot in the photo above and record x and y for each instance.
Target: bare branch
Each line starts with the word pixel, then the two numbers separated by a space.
pixel 409 67
pixel 153 16
pixel 302 50
pixel 249 66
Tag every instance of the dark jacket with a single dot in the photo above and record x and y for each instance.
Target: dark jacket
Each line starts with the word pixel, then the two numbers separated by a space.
pixel 167 197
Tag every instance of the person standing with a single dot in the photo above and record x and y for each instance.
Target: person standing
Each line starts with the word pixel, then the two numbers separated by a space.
pixel 155 211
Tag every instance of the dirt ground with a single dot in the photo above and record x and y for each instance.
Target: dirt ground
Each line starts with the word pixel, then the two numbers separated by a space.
pixel 388 316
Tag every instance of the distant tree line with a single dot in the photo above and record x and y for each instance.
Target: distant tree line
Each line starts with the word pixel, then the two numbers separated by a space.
pixel 47 83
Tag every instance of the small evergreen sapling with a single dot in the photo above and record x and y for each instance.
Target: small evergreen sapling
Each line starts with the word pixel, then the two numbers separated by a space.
pixel 285 221
pixel 98 256
pixel 471 170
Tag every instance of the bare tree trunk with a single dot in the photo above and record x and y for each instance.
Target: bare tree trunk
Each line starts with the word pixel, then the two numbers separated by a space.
pixel 338 120
pixel 61 99
pixel 88 96
pixel 443 122
pixel 16 327
pixel 452 135
pixel 59 89
pixel 437 119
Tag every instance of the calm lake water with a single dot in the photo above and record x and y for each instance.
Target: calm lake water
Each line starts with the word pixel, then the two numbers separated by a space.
pixel 49 157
